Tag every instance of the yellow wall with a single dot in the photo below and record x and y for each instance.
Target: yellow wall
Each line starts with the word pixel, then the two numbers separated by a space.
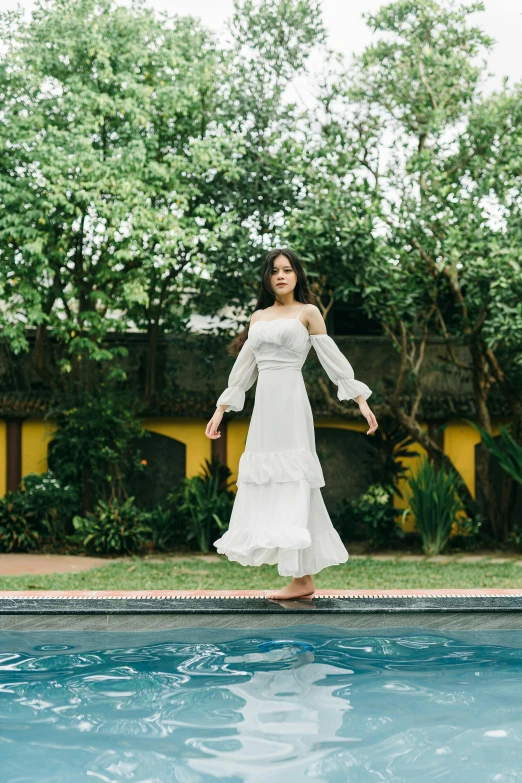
pixel 459 444
pixel 236 438
pixel 460 440
pixel 36 434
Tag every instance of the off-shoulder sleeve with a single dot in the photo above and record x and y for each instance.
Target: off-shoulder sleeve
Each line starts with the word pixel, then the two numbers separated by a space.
pixel 242 376
pixel 338 368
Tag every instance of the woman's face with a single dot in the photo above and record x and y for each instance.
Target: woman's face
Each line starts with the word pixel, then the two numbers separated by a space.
pixel 283 279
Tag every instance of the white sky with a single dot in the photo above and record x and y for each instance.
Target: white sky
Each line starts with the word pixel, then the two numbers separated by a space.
pixel 502 20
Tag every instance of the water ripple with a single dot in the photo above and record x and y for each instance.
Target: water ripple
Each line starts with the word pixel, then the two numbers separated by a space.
pixel 395 707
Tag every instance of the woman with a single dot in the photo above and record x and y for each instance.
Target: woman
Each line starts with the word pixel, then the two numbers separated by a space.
pixel 279 514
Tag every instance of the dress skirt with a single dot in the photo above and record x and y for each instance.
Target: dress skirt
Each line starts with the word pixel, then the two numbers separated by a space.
pixel 279 516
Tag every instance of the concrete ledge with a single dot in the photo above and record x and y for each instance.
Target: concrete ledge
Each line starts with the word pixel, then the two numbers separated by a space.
pixel 157 610
pixel 162 610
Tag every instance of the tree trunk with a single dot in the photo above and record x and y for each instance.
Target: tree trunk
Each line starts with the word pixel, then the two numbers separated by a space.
pixel 510 487
pixel 481 380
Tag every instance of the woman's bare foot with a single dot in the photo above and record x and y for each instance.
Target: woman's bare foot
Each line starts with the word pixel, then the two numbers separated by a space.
pixel 298 588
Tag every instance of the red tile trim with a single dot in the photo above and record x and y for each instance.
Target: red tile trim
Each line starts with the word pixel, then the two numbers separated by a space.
pixel 152 594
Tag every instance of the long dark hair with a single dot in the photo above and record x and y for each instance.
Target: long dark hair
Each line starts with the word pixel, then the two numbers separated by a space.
pixel 266 298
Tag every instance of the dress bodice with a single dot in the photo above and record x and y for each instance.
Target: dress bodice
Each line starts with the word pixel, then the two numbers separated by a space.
pixel 282 343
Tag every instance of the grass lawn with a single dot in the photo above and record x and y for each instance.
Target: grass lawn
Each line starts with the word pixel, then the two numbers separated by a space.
pixel 193 574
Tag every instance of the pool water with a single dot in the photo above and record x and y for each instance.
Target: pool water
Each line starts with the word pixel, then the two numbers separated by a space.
pixel 302 703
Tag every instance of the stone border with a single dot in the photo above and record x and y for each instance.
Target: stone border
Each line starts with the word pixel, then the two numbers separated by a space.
pixel 250 603
pixel 147 611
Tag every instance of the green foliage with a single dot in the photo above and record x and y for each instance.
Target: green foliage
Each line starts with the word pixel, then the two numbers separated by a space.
pixel 106 182
pixel 115 528
pixel 373 515
pixel 436 504
pixel 446 201
pixel 515 536
pixel 38 514
pixel 51 504
pixel 149 158
pixel 507 451
pixel 469 528
pixel 270 44
pixel 424 69
pixel 94 448
pixel 206 502
pixel 168 527
pixel 19 531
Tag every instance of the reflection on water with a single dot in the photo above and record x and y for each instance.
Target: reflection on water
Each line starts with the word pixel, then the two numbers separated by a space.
pixel 307 706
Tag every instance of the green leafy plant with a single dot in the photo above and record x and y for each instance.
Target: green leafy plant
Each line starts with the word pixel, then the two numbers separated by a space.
pixel 376 511
pixel 51 503
pixel 18 529
pixel 206 501
pixel 470 530
pixel 114 528
pixel 168 527
pixel 94 448
pixel 515 536
pixel 436 504
pixel 372 514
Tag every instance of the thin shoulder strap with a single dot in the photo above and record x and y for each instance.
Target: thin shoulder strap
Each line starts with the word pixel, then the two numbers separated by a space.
pixel 300 311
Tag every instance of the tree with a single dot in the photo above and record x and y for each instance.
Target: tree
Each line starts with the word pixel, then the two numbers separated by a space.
pixel 450 205
pixel 104 164
pixel 269 43
pixel 143 169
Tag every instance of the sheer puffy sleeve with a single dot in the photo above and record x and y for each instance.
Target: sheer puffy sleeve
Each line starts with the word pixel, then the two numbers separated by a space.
pixel 242 376
pixel 338 368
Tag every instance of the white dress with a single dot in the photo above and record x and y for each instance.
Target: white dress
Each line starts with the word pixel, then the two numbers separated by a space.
pixel 279 516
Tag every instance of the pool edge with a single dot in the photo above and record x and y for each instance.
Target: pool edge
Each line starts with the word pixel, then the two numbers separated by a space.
pixel 163 610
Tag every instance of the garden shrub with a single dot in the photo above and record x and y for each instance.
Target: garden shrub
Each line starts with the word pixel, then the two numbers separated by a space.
pixel 468 531
pixel 93 450
pixel 371 516
pixel 392 444
pixel 168 527
pixel 52 504
pixel 19 531
pixel 205 502
pixel 115 528
pixel 436 504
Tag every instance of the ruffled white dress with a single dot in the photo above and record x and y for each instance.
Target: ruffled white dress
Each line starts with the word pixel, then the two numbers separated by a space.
pixel 279 516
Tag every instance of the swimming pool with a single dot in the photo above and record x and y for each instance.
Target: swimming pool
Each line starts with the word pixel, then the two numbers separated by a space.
pixel 296 703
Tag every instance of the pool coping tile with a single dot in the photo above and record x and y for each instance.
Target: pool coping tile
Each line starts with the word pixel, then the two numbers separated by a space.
pixel 255 602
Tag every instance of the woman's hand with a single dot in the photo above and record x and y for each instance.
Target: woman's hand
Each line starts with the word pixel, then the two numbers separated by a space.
pixel 368 415
pixel 212 427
